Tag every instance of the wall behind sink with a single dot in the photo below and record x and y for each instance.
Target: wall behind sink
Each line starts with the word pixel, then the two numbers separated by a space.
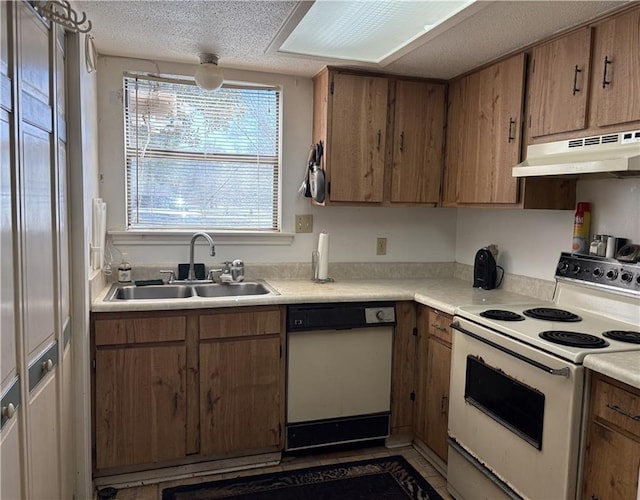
pixel 414 234
pixel 530 241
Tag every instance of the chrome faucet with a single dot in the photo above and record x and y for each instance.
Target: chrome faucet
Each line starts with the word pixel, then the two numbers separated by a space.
pixel 191 276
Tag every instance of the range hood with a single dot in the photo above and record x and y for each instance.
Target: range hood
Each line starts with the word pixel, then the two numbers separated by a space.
pixel 616 155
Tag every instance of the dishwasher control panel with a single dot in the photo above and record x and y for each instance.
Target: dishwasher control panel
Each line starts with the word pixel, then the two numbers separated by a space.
pixel 380 315
pixel 340 316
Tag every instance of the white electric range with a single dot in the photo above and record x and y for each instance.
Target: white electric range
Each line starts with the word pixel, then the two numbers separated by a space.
pixel 518 384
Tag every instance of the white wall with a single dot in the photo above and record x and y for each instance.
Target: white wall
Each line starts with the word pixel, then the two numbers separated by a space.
pixel 530 241
pixel 414 234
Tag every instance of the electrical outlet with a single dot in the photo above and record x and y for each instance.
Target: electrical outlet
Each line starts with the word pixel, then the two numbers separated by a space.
pixel 304 223
pixel 381 246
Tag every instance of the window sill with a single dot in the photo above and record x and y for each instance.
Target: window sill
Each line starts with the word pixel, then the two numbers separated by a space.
pixel 180 238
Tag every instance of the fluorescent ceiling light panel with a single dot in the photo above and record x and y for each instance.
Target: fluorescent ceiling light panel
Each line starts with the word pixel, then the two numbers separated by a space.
pixel 366 30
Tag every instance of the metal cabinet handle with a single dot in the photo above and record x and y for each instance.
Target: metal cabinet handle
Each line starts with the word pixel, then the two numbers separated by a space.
pixel 379 139
pixel 561 372
pixel 402 141
pixel 443 404
pixel 512 122
pixel 605 82
pixel 624 412
pixel 438 327
pixel 47 365
pixel 575 79
pixel 8 411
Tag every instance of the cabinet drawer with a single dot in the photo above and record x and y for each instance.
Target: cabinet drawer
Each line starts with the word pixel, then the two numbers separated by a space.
pixel 240 324
pixel 439 325
pixel 139 330
pixel 617 406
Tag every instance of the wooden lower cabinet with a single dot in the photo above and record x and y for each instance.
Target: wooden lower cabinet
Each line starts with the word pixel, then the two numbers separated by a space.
pixel 437 412
pixel 186 386
pixel 239 395
pixel 612 461
pixel 432 385
pixel 140 405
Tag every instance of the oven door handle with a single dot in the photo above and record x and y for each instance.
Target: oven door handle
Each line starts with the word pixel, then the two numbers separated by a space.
pixel 561 372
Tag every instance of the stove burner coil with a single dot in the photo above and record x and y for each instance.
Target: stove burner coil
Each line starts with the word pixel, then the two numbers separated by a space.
pixel 623 336
pixel 551 314
pixel 502 315
pixel 574 339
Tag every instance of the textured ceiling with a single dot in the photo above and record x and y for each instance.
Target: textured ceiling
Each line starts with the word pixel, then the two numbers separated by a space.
pixel 240 33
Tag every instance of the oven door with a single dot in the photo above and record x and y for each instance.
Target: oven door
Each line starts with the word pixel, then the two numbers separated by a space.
pixel 515 413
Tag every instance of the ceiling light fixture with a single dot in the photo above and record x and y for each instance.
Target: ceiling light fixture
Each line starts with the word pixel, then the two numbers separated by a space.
pixel 209 76
pixel 375 32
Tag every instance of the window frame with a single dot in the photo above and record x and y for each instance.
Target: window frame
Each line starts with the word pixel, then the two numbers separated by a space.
pixel 175 229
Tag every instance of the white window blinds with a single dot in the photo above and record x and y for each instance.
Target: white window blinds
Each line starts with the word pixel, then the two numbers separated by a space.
pixel 198 159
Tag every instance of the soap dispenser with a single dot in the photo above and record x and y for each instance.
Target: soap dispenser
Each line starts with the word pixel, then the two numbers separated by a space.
pixel 124 270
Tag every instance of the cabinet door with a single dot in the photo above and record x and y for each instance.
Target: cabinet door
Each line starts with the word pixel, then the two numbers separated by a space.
pixel 417 146
pixel 558 88
pixel 612 465
pixel 489 133
pixel 240 400
pixel 11 465
pixel 356 148
pixel 437 411
pixel 616 63
pixel 43 453
pixel 140 408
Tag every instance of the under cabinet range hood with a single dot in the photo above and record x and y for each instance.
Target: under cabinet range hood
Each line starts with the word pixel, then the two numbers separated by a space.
pixel 615 155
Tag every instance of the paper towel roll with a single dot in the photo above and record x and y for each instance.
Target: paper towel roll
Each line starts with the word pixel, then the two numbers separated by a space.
pixel 323 256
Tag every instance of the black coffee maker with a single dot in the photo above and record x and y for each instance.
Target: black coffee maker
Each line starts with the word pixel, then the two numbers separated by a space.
pixel 484 270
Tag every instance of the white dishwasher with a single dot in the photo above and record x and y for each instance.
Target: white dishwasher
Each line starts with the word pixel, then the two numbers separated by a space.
pixel 338 373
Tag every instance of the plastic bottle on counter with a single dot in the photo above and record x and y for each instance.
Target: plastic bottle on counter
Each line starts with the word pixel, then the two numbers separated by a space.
pixel 124 270
pixel 581 224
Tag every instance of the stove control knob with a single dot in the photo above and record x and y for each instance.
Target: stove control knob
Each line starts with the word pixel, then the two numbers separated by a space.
pixel 597 272
pixel 575 268
pixel 380 315
pixel 563 265
pixel 612 274
pixel 626 276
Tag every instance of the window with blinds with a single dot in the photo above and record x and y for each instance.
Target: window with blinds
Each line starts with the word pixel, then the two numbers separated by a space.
pixel 197 159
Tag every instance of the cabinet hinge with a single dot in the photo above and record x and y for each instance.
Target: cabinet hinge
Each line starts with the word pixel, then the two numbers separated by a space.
pixel 331 88
pixel 415 331
pixel 329 187
pixel 93 363
pixel 412 396
pixel 529 120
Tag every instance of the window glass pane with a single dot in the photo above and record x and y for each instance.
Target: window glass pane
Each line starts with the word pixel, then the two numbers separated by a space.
pixel 201 159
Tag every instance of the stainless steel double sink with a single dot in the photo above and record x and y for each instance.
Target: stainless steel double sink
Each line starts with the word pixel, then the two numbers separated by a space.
pixel 120 292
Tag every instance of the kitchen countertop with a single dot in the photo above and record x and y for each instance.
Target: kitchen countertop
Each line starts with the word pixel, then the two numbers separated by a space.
pixel 444 294
pixel 622 366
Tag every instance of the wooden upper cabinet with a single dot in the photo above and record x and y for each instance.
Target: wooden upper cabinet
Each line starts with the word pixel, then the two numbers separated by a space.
pixel 484 134
pixel 616 70
pixel 417 144
pixel 355 148
pixel 559 85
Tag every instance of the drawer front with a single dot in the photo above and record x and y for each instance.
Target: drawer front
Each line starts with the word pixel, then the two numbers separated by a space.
pixel 617 406
pixel 439 325
pixel 139 330
pixel 240 324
